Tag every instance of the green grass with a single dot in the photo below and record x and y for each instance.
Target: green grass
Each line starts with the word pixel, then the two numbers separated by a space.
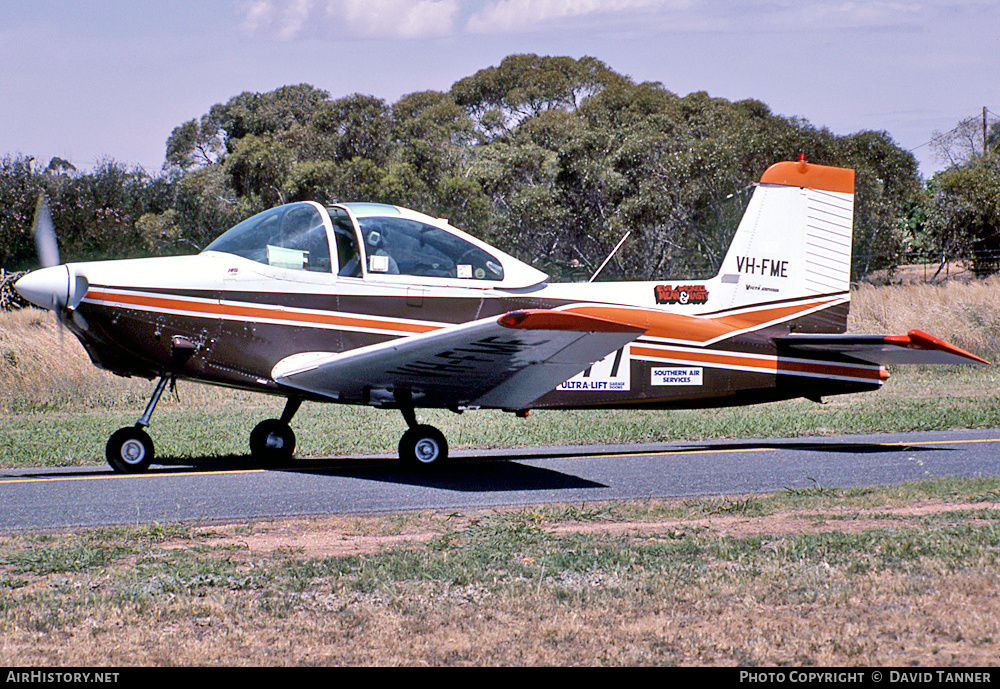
pixel 218 423
pixel 516 545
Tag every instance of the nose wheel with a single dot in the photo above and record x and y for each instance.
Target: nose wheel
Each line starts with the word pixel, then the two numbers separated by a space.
pixel 130 449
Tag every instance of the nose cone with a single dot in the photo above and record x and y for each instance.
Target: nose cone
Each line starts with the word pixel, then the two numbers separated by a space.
pixel 48 288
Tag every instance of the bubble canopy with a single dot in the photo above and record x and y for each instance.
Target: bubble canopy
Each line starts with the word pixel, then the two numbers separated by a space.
pixel 371 241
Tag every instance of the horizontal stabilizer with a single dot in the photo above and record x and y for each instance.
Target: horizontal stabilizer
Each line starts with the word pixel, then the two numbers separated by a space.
pixel 506 362
pixel 915 347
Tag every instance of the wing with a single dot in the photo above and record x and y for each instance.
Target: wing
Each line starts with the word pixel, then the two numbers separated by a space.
pixel 915 347
pixel 504 362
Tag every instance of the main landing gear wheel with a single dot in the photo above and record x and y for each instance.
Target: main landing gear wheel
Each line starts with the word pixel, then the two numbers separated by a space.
pixel 272 442
pixel 423 447
pixel 130 450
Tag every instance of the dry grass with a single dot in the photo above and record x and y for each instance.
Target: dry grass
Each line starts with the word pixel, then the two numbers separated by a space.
pixel 44 368
pixel 966 314
pixel 838 580
pixel 32 363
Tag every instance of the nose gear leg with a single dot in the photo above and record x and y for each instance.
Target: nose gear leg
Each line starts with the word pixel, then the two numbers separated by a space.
pixel 130 450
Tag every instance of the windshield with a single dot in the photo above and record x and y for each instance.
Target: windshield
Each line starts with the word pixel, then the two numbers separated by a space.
pixel 292 236
pixel 348 252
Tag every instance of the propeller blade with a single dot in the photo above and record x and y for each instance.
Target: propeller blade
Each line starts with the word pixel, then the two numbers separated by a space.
pixel 47 246
pixel 45 234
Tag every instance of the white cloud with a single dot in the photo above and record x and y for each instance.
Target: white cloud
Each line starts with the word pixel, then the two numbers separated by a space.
pixel 295 16
pixel 289 19
pixel 529 15
pixel 827 15
pixel 256 16
pixel 400 18
pixel 413 19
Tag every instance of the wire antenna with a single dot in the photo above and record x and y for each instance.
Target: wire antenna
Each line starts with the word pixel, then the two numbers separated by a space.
pixel 613 252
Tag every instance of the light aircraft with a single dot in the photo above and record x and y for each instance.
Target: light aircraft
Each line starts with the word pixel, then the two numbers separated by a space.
pixel 362 303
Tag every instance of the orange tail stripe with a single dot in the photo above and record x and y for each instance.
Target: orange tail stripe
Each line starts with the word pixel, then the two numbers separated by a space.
pixel 765 364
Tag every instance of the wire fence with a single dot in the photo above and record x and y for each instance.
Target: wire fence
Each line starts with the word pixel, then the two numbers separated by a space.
pixel 935 268
pixel 9 298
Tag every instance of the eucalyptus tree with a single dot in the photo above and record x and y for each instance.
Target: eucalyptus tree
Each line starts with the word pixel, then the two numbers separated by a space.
pixel 964 213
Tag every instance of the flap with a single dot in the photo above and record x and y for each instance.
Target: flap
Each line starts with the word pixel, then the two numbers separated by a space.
pixel 915 347
pixel 506 362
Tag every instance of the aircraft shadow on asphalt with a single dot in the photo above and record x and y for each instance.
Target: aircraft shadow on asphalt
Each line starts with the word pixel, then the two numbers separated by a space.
pixel 472 472
pixel 466 474
pixel 492 472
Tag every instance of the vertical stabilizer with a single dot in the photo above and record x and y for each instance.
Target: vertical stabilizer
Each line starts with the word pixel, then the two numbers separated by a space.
pixel 794 241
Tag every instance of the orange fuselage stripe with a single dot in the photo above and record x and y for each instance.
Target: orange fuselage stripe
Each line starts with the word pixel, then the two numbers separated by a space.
pixel 698 329
pixel 656 324
pixel 249 312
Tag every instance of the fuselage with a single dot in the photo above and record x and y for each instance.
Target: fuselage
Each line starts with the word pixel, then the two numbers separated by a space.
pixel 307 278
pixel 224 320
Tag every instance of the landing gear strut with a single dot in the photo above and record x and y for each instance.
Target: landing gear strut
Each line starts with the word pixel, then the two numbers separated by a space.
pixel 422 446
pixel 272 441
pixel 130 449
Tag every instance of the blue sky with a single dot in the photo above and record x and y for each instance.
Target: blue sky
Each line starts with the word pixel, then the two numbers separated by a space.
pixel 88 80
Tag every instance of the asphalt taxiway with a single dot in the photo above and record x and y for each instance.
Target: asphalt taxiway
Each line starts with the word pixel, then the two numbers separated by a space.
pixel 234 489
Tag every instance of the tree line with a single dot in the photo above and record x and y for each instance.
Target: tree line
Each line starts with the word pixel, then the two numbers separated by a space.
pixel 552 159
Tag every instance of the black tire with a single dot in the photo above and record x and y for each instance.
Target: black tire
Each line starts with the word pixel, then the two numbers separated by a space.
pixel 272 442
pixel 130 450
pixel 423 448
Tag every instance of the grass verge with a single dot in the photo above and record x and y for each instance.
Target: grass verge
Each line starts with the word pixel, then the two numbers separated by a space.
pixel 218 422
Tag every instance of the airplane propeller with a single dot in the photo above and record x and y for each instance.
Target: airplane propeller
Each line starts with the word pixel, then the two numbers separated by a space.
pixel 44 232
pixel 55 287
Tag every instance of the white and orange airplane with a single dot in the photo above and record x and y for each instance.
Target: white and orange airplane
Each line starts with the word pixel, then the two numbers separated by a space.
pixel 372 304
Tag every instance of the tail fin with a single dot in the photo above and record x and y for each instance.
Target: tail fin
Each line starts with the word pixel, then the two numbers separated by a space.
pixel 794 241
